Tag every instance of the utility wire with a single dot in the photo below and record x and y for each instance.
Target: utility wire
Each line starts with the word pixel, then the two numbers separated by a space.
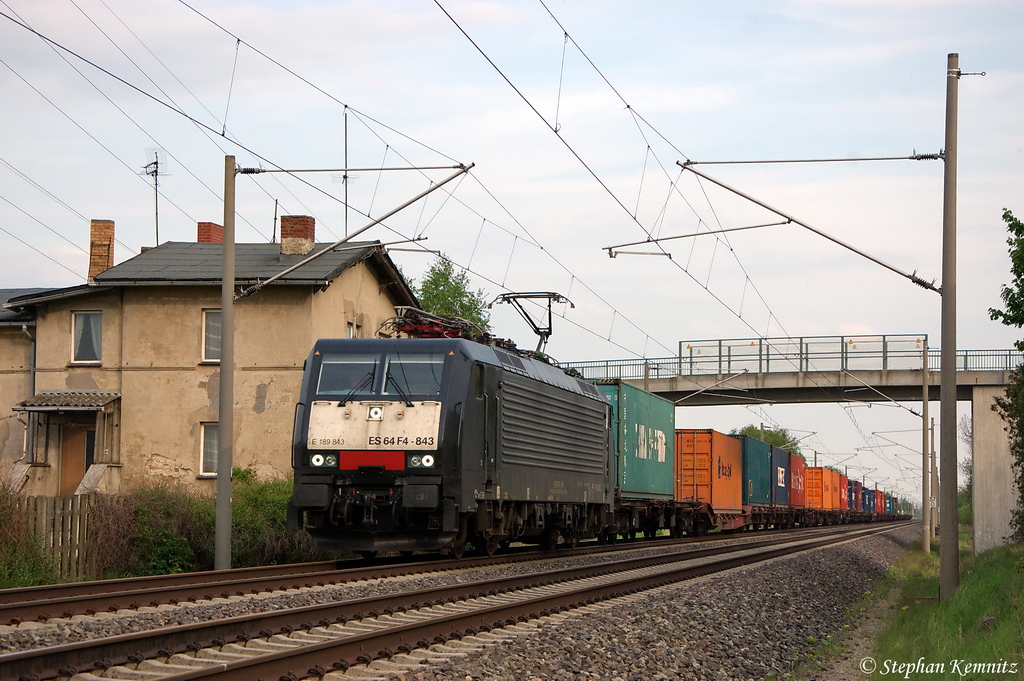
pixel 633 112
pixel 17 238
pixel 165 94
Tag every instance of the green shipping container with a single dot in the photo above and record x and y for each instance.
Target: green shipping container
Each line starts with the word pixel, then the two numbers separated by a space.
pixel 644 441
pixel 757 471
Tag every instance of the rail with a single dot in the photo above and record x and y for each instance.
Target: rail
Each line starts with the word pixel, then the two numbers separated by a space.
pixel 806 354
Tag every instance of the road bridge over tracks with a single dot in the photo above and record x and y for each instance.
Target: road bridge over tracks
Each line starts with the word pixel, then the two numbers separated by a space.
pixel 841 369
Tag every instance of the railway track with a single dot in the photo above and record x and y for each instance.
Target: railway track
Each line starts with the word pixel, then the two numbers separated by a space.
pixel 41 603
pixel 314 640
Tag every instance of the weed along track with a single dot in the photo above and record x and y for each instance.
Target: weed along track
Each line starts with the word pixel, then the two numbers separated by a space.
pixel 397 629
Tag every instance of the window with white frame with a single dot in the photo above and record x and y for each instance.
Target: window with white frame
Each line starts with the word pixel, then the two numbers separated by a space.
pixel 211 335
pixel 87 337
pixel 350 330
pixel 209 446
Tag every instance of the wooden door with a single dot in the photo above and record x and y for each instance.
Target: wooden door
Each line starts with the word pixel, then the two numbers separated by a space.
pixel 74 452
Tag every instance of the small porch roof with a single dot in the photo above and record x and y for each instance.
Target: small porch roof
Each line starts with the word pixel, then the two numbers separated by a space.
pixel 68 400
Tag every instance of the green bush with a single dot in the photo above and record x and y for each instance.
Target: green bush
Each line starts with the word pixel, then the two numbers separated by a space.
pixel 259 535
pixel 155 530
pixel 24 560
pixel 167 529
pixel 965 513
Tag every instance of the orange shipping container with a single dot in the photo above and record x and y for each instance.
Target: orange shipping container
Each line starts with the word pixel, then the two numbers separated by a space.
pixel 814 478
pixel 708 469
pixel 833 482
pixel 822 488
pixel 844 492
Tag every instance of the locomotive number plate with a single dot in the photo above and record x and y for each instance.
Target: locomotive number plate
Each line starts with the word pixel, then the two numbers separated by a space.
pixel 374 425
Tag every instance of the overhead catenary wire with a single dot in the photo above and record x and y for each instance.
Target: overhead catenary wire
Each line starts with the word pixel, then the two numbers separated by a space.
pixel 177 110
pixel 630 108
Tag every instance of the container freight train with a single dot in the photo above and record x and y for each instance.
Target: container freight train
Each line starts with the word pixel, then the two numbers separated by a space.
pixel 412 444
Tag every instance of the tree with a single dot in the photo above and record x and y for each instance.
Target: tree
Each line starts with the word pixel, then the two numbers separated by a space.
pixel 780 437
pixel 1013 295
pixel 965 433
pixel 1011 407
pixel 446 293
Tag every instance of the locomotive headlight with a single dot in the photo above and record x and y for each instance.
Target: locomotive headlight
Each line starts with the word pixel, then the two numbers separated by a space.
pixel 331 460
pixel 428 461
pixel 317 460
pixel 416 461
pixel 375 414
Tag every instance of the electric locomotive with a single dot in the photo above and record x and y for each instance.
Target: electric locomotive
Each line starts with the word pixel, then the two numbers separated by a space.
pixel 413 444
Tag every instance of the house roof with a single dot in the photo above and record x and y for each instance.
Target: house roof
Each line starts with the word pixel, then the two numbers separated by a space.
pixel 201 262
pixel 190 264
pixel 68 400
pixel 16 317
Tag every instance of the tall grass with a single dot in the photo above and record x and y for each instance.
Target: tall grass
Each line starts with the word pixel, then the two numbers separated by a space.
pixel 23 559
pixel 983 622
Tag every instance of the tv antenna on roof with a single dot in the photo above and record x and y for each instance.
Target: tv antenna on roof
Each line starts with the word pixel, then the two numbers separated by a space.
pixel 155 169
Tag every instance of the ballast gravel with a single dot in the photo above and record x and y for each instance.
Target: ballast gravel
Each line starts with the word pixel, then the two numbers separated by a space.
pixel 745 624
pixel 58 631
pixel 748 624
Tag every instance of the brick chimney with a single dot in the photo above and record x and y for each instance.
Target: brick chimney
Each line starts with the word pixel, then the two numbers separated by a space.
pixel 297 234
pixel 101 247
pixel 209 233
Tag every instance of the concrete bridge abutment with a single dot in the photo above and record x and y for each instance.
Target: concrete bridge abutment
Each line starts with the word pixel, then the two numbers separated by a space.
pixel 993 495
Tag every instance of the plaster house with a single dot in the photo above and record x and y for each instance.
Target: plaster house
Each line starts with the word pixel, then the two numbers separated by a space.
pixel 116 381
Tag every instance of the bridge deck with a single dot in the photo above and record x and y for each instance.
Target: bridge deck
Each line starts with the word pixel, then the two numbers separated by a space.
pixel 809 369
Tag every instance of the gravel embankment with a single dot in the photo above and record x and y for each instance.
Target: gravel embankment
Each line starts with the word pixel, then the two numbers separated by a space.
pixel 747 624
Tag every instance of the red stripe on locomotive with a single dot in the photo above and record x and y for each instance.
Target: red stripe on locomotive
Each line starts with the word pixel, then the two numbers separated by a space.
pixel 392 461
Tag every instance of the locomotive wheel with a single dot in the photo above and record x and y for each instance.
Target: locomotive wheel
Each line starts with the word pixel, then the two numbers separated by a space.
pixel 369 555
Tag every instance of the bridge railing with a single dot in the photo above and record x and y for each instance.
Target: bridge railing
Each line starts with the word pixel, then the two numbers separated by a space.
pixel 806 354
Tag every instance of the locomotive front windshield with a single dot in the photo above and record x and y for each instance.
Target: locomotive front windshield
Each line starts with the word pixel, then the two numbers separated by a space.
pixel 413 375
pixel 403 374
pixel 347 375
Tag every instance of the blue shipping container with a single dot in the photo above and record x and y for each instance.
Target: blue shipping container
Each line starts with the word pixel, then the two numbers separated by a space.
pixel 757 471
pixel 780 477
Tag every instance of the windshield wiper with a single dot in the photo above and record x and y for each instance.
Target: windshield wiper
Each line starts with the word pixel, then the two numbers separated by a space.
pixel 398 389
pixel 367 380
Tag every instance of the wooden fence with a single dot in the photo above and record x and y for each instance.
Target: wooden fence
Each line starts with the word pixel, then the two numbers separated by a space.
pixel 63 524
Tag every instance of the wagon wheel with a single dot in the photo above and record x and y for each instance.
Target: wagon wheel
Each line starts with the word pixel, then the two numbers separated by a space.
pixel 650 532
pixel 457 549
pixel 488 545
pixel 369 555
pixel 572 540
pixel 549 540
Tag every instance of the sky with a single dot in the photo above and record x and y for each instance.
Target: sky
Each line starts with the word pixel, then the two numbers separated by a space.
pixel 575 114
